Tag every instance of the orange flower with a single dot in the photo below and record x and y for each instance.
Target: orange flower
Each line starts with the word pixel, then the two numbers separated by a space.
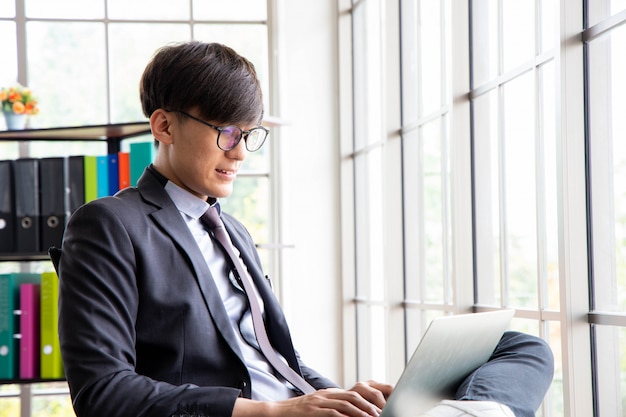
pixel 14 96
pixel 19 100
pixel 18 107
pixel 31 108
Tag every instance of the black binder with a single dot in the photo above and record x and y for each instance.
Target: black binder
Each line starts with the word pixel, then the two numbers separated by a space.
pixel 7 216
pixel 26 191
pixel 52 202
pixel 76 182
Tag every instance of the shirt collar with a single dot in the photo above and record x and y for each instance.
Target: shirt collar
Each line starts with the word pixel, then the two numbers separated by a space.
pixel 188 203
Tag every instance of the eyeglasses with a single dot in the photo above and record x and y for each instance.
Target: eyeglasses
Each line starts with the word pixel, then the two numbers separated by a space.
pixel 228 137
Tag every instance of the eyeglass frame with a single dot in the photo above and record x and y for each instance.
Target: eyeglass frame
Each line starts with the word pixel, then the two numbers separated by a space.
pixel 219 130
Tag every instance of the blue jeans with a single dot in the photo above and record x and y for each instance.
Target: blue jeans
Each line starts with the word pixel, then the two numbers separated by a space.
pixel 518 374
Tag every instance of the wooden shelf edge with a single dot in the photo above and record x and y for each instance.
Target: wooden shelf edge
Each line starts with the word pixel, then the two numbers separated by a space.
pixel 79 133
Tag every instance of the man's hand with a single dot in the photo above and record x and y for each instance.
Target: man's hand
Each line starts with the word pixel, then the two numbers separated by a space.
pixel 365 399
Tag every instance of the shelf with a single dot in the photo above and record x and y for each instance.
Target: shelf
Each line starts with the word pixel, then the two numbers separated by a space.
pixel 96 132
pixel 111 133
pixel 19 257
pixel 28 381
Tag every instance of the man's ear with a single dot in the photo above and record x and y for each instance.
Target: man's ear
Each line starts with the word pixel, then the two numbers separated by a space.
pixel 160 125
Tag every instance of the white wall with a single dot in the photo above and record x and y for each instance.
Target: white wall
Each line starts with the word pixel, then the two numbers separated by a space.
pixel 309 175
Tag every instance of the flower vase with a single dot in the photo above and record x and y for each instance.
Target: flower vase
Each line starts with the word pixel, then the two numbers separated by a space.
pixel 15 121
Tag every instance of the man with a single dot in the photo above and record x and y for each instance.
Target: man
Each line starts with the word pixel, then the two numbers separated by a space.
pixel 154 315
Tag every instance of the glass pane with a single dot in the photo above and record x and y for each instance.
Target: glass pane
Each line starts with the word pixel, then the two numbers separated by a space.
pixel 65 9
pixel 368 77
pixel 60 148
pixel 607 105
pixel 554 397
pixel 409 61
pixel 67 72
pixel 431 49
pixel 413 179
pixel 371 339
pixel 369 233
pixel 131 46
pixel 550 221
pixel 599 10
pixel 485 41
pixel 7 8
pixel 518 32
pixel 416 323
pixel 610 354
pixel 487 188
pixel 9 407
pixel 52 405
pixel 549 24
pixel 520 199
pixel 8 52
pixel 229 10
pixel 434 214
pixel 9 150
pixel 148 10
pixel 249 203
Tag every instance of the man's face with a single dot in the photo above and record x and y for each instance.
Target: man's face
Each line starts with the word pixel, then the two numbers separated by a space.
pixel 195 161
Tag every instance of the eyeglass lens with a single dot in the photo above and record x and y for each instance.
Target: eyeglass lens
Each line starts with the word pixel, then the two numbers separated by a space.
pixel 231 135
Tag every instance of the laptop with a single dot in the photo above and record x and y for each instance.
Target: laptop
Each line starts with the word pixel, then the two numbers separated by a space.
pixel 451 348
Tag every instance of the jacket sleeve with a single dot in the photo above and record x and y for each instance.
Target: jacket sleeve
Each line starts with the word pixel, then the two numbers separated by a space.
pixel 98 308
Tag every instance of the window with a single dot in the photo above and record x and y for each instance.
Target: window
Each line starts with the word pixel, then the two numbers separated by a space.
pixel 501 185
pixel 604 37
pixel 83 59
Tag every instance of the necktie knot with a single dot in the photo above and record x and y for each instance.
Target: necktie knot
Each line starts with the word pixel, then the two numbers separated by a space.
pixel 211 218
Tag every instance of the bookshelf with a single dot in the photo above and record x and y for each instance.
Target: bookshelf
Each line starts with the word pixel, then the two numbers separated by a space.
pixel 112 134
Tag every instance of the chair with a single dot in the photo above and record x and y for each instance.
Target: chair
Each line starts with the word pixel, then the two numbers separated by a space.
pixel 55 256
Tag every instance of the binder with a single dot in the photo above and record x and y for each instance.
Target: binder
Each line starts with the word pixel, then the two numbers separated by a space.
pixel 114 173
pixel 102 162
pixel 29 331
pixel 52 201
pixel 26 191
pixel 124 169
pixel 50 353
pixel 141 155
pixel 91 178
pixel 10 321
pixel 7 215
pixel 75 182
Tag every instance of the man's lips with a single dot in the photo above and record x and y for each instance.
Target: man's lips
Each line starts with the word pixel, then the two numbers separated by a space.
pixel 228 172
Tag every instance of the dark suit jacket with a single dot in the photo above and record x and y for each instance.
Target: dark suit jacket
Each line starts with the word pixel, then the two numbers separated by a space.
pixel 142 326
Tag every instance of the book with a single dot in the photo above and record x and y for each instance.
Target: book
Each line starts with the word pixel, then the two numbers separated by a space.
pixel 26 193
pixel 114 173
pixel 50 351
pixel 29 331
pixel 52 193
pixel 75 182
pixel 7 215
pixel 102 164
pixel 124 169
pixel 10 320
pixel 141 155
pixel 91 178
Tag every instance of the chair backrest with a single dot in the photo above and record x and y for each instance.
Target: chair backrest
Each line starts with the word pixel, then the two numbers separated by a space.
pixel 55 256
